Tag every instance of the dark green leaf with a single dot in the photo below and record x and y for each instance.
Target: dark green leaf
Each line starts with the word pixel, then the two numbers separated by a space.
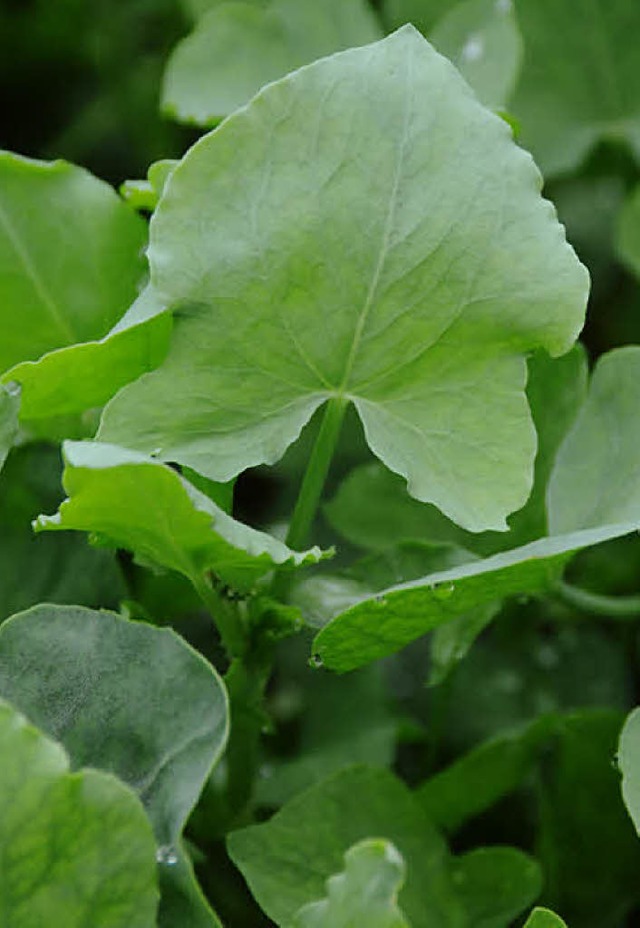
pixel 496 884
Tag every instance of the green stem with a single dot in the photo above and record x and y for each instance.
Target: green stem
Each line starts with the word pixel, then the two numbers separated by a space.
pixel 615 607
pixel 316 474
pixel 225 615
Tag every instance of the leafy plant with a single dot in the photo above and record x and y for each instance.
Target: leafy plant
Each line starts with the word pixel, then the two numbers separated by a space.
pixel 325 414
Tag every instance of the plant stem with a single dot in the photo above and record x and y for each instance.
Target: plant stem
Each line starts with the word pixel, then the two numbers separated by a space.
pixel 316 473
pixel 225 615
pixel 615 607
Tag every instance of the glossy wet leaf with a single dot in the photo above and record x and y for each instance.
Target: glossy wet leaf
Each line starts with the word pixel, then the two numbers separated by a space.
pixel 132 501
pixel 556 389
pixel 629 763
pixel 372 627
pixel 295 286
pixel 121 696
pixel 287 860
pixel 628 232
pixel 365 892
pixel 238 47
pixel 579 79
pixel 482 39
pixel 595 477
pixel 70 257
pixel 9 410
pixel 77 848
pixel 544 918
pixel 496 884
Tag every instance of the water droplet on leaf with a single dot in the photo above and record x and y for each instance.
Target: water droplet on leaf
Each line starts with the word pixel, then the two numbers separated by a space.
pixel 315 661
pixel 13 388
pixel 443 590
pixel 167 855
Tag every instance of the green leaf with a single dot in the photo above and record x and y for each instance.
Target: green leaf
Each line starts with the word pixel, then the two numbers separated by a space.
pixel 287 860
pixel 579 80
pixel 593 882
pixel 197 8
pixel 424 14
pixel 544 918
pixel 9 410
pixel 364 893
pixel 478 779
pixel 131 699
pixel 556 389
pixel 77 849
pixel 496 884
pixel 629 763
pixel 452 642
pixel 595 477
pixel 84 376
pixel 628 232
pixel 238 47
pixel 295 286
pixel 131 501
pixel 70 257
pixel 482 39
pixel 63 569
pixel 144 194
pixel 373 627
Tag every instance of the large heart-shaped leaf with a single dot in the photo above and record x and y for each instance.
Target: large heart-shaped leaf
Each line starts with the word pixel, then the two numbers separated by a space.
pixel 70 257
pixel 238 47
pixel 132 501
pixel 579 81
pixel 295 286
pixel 77 849
pixel 287 860
pixel 364 893
pixel 371 627
pixel 595 477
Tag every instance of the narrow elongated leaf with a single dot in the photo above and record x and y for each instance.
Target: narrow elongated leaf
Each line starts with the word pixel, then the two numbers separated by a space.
pixel 287 860
pixel 579 79
pixel 9 409
pixel 77 849
pixel 296 286
pixel 595 477
pixel 544 918
pixel 132 501
pixel 376 626
pixel 238 47
pixel 70 257
pixel 482 39
pixel 496 884
pixel 629 763
pixel 65 668
pixel 364 893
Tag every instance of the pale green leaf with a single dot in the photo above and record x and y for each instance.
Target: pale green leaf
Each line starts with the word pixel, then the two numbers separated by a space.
pixel 579 82
pixel 373 627
pixel 77 849
pixel 556 389
pixel 294 285
pixel 9 410
pixel 595 477
pixel 132 501
pixel 287 860
pixel 238 47
pixel 70 257
pixel 365 893
pixel 628 232
pixel 544 918
pixel 482 39
pixel 629 763
pixel 496 884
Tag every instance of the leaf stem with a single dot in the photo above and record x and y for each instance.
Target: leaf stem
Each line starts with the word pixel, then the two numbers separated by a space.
pixel 615 607
pixel 316 473
pixel 225 615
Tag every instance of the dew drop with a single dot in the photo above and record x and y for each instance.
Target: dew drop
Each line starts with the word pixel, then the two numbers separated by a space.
pixel 443 590
pixel 167 855
pixel 380 601
pixel 13 388
pixel 473 48
pixel 316 662
pixel 156 452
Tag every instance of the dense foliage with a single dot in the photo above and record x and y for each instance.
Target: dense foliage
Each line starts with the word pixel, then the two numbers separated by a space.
pixel 319 556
